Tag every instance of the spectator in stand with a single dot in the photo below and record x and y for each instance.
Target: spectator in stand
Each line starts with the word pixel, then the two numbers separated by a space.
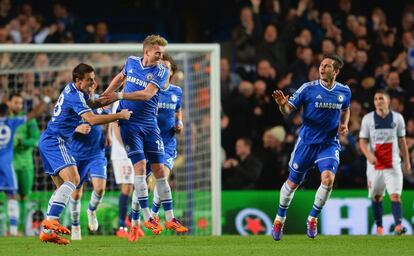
pixel 267 73
pixel 5 12
pixel 392 84
pixel 274 157
pixel 244 171
pixel 228 79
pixel 245 38
pixel 273 48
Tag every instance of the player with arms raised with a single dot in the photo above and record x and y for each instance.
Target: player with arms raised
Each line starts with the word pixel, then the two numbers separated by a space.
pixel 141 136
pixel 73 105
pixel 381 138
pixel 325 105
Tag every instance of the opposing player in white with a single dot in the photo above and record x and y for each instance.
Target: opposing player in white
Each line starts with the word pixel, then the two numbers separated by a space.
pixel 381 139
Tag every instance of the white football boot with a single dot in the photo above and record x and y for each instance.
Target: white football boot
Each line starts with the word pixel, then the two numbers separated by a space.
pixel 76 233
pixel 92 220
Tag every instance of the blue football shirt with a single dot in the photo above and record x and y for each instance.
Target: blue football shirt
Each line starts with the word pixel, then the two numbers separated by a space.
pixel 169 102
pixel 137 79
pixel 8 126
pixel 321 110
pixel 67 112
pixel 91 145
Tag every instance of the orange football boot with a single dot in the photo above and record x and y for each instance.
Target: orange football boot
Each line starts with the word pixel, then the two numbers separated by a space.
pixel 53 238
pixel 55 226
pixel 175 225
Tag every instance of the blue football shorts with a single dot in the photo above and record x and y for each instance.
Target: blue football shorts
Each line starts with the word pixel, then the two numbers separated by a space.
pixel 306 156
pixel 8 182
pixel 92 168
pixel 55 153
pixel 142 142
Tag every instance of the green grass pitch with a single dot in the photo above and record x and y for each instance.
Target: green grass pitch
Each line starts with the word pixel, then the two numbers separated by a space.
pixel 207 245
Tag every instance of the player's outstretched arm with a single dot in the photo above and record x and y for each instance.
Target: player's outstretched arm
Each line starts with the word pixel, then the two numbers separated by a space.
pixel 93 119
pixel 115 83
pixel 282 101
pixel 142 95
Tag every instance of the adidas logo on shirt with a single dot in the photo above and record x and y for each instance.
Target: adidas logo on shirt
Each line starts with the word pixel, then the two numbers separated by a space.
pixel 319 97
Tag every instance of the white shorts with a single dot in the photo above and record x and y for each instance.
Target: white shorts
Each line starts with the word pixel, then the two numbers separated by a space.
pixel 123 170
pixel 381 180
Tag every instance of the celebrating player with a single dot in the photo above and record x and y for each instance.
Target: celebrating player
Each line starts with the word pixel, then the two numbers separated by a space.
pixel 8 126
pixel 169 122
pixel 381 139
pixel 141 136
pixel 88 149
pixel 73 105
pixel 25 140
pixel 325 113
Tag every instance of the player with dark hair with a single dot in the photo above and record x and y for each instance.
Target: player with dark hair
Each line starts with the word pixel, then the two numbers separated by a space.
pixel 73 105
pixel 326 113
pixel 25 140
pixel 8 184
pixel 382 140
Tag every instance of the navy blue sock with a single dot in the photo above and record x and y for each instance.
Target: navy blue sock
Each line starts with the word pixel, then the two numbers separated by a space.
pixel 377 210
pixel 123 209
pixel 396 212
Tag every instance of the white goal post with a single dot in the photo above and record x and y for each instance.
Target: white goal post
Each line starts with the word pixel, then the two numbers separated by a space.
pixel 189 58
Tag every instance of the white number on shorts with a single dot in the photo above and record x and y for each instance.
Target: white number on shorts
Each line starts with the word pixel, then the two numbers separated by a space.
pixel 160 145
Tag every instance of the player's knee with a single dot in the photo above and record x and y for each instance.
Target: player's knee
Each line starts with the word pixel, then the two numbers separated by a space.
pixel 140 167
pixel 99 190
pixel 75 179
pixel 77 194
pixel 377 198
pixel 126 189
pixel 395 197
pixel 292 185
pixel 328 178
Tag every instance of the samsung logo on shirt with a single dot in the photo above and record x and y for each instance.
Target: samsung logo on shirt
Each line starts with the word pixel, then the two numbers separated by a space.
pixel 137 81
pixel 330 105
pixel 167 105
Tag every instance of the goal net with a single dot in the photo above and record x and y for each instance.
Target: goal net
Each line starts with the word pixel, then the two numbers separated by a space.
pixel 196 184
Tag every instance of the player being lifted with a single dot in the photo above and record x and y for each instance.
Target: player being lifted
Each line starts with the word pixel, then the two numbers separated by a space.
pixel 325 105
pixel 381 139
pixel 169 122
pixel 141 136
pixel 8 126
pixel 88 149
pixel 73 105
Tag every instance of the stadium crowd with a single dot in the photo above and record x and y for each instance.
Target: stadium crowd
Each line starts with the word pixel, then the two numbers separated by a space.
pixel 276 44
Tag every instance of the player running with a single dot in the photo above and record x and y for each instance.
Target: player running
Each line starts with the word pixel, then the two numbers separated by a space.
pixel 381 139
pixel 325 105
pixel 73 105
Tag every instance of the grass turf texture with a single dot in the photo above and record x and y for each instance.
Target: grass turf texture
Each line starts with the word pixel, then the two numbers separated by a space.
pixel 206 245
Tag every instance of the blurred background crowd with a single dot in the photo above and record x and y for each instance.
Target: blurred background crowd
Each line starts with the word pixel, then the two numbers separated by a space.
pixel 265 45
